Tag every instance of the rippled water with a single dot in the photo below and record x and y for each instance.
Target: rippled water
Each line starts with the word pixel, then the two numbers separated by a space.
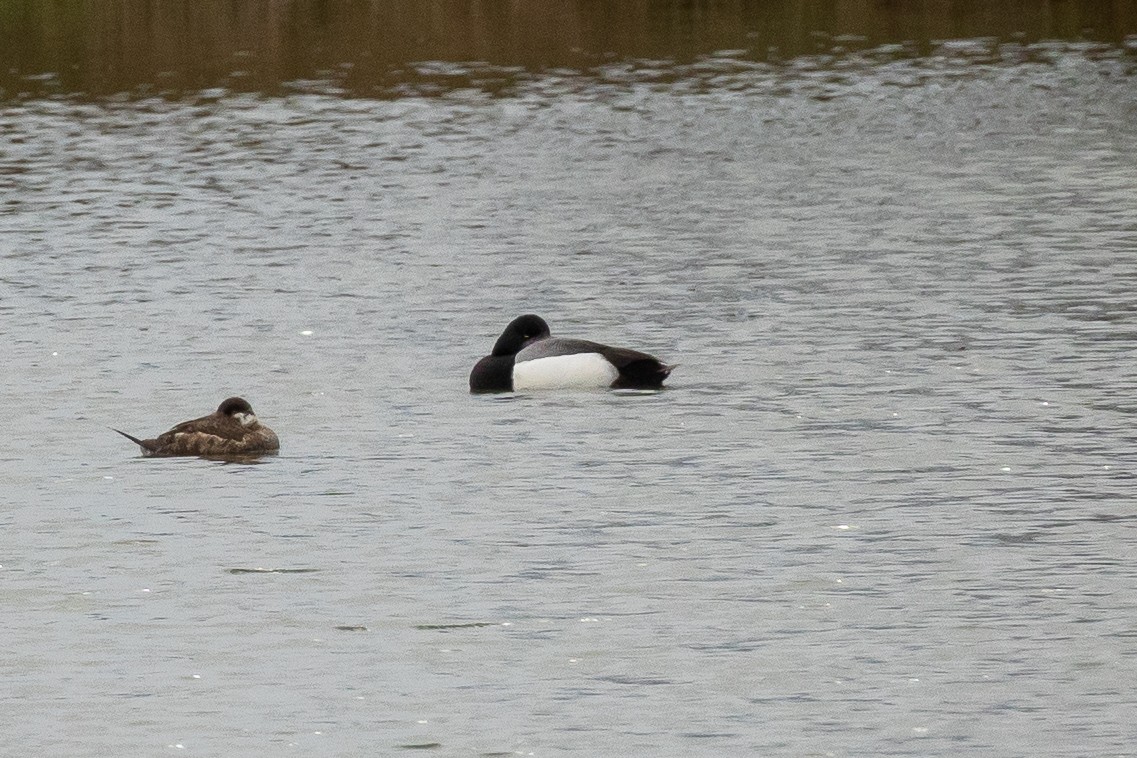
pixel 884 508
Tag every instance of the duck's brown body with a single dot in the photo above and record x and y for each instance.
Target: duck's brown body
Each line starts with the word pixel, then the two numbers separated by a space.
pixel 231 430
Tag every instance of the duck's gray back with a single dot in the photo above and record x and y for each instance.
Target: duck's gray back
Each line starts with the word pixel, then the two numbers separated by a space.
pixel 556 346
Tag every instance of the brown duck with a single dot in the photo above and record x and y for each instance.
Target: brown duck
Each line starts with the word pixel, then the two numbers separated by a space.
pixel 231 430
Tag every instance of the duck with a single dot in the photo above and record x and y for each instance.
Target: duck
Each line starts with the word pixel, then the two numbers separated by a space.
pixel 527 357
pixel 231 430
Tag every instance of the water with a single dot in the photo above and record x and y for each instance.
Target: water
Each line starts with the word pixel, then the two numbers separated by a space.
pixel 884 508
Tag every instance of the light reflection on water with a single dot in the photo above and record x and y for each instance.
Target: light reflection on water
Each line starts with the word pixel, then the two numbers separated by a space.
pixel 883 508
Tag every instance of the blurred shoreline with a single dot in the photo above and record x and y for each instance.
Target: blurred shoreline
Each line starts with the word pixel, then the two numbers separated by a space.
pixel 375 48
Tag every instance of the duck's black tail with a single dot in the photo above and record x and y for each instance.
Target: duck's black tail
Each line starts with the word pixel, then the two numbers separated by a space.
pixel 646 374
pixel 141 443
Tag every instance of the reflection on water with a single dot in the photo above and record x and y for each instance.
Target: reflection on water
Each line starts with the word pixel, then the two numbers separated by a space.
pixel 375 48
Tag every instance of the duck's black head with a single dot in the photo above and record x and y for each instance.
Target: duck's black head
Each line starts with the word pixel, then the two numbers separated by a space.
pixel 239 409
pixel 233 406
pixel 520 332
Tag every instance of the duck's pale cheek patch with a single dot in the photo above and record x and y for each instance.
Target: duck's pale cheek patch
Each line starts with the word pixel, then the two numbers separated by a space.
pixel 246 419
pixel 564 371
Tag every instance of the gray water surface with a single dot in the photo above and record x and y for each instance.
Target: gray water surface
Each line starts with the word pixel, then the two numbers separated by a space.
pixel 885 507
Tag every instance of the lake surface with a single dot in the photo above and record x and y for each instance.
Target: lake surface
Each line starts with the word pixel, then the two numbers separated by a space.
pixel 886 505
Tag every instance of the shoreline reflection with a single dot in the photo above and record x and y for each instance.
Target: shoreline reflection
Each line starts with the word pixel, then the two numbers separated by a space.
pixel 391 48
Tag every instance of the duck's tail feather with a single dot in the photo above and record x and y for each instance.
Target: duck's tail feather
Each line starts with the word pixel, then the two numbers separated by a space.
pixel 646 373
pixel 141 443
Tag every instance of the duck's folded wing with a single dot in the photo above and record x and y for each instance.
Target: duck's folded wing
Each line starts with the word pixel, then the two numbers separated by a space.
pixel 620 357
pixel 221 427
pixel 554 347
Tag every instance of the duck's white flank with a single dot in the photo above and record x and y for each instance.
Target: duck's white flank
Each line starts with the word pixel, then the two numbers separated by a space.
pixel 580 370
